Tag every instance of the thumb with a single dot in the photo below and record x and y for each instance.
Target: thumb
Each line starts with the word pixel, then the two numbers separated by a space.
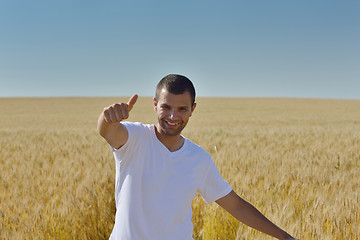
pixel 132 101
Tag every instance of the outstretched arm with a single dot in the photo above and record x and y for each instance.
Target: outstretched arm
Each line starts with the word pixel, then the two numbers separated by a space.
pixel 109 125
pixel 249 215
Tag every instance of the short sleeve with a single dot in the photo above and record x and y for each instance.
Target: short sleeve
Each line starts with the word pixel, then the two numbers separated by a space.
pixel 134 130
pixel 214 186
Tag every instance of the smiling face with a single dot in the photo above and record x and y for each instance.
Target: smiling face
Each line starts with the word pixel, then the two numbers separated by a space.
pixel 173 112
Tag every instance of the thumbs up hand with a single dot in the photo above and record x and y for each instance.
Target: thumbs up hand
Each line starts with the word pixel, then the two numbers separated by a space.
pixel 119 111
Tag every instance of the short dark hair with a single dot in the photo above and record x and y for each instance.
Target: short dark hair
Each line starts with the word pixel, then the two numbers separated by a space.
pixel 176 84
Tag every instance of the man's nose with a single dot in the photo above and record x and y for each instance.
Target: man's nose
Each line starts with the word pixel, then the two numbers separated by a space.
pixel 173 114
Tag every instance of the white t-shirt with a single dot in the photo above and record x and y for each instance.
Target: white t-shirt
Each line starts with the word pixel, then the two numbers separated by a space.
pixel 154 187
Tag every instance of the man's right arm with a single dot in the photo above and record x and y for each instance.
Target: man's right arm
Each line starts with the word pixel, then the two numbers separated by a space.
pixel 109 125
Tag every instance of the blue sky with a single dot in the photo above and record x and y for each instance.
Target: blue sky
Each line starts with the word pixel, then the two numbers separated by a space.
pixel 279 48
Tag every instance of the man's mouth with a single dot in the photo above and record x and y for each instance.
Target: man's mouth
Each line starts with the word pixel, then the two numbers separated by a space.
pixel 171 124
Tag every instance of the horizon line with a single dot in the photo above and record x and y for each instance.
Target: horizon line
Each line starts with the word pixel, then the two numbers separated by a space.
pixel 146 96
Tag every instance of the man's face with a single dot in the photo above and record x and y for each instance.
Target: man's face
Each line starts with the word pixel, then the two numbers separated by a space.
pixel 173 111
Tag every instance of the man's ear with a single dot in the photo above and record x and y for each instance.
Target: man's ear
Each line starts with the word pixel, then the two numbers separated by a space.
pixel 193 108
pixel 155 104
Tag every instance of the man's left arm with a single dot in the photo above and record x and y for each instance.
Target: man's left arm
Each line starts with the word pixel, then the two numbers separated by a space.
pixel 249 215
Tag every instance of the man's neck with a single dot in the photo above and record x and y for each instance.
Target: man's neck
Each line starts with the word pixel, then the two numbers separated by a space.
pixel 173 143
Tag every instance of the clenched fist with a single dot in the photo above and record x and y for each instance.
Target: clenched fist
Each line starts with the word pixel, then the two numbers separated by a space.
pixel 119 111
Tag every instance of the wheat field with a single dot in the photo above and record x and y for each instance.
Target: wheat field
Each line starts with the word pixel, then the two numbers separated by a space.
pixel 296 160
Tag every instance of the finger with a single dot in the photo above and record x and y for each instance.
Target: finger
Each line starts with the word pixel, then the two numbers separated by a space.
pixel 112 116
pixel 124 110
pixel 107 116
pixel 132 101
pixel 118 112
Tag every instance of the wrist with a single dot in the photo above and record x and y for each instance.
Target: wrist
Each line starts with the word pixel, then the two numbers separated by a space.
pixel 285 236
pixel 288 237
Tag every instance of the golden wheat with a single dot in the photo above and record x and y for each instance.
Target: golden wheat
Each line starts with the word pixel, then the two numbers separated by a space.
pixel 296 160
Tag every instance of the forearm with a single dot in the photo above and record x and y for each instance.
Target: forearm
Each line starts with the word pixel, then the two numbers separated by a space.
pixel 250 216
pixel 103 127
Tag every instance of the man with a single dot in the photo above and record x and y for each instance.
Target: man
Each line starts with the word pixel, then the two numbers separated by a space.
pixel 159 171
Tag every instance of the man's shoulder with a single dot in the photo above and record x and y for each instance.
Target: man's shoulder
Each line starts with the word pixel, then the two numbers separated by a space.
pixel 195 148
pixel 137 130
pixel 130 125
